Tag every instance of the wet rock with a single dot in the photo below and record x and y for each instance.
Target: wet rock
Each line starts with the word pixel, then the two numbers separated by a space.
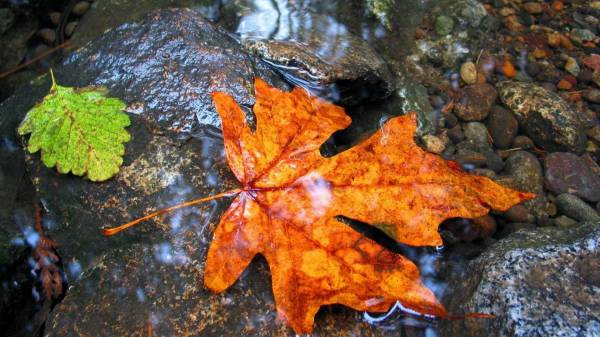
pixel 338 66
pixel 544 116
pixel 575 208
pixel 47 34
pixel 533 7
pixel 80 8
pixel 477 134
pixel 164 68
pixel 538 282
pixel 522 142
pixel 182 57
pixel 107 14
pixel 592 95
pixel 444 25
pixel 434 144
pixel 582 35
pixel 518 213
pixel 7 18
pixel 456 134
pixel 526 170
pixel 127 289
pixel 70 28
pixel 568 173
pixel 475 102
pixel 468 72
pixel 564 221
pixel 14 43
pixel 470 159
pixel 502 127
pixel 572 67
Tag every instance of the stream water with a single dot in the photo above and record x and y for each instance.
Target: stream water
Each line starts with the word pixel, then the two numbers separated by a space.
pixel 375 58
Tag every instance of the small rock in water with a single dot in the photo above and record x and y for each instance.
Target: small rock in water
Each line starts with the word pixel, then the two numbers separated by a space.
pixel 7 19
pixel 70 28
pixel 527 171
pixel 568 173
pixel 444 25
pixel 475 102
pixel 564 221
pixel 572 67
pixel 533 7
pixel 468 72
pixel 47 34
pixel 502 126
pixel 456 134
pixel 573 207
pixel 477 134
pixel 518 213
pixel 55 17
pixel 522 142
pixel 592 95
pixel 544 116
pixel 582 35
pixel 434 144
pixel 80 8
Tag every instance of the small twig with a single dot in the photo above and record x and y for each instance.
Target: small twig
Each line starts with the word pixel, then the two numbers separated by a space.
pixel 35 59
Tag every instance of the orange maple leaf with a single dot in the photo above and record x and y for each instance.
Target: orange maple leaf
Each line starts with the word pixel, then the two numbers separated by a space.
pixel 290 196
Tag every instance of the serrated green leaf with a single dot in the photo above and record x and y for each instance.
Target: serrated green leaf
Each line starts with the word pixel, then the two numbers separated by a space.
pixel 79 131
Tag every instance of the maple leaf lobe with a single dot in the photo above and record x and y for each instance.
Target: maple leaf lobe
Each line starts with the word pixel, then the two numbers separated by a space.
pixel 291 196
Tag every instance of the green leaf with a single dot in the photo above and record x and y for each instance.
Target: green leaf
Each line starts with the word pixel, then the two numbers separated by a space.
pixel 78 130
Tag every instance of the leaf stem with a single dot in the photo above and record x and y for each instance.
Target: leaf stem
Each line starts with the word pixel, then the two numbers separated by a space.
pixel 115 230
pixel 53 80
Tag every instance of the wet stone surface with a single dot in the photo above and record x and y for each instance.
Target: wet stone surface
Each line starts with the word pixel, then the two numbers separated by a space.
pixel 322 56
pixel 542 282
pixel 544 116
pixel 164 69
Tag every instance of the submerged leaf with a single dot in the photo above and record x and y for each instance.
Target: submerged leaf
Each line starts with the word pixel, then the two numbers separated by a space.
pixel 286 209
pixel 79 131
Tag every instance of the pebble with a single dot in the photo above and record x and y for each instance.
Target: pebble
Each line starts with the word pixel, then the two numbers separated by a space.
pixel 70 28
pixel 522 142
pixel 486 225
pixel 493 161
pixel 444 25
pixel 434 144
pixel 564 221
pixel 80 8
pixel 527 171
pixel 582 35
pixel 475 102
pixel 563 84
pixel 456 134
pixel 47 34
pixel 573 207
pixel 450 119
pixel 567 173
pixel 468 72
pixel 55 17
pixel 502 126
pixel 591 95
pixel 572 67
pixel 518 213
pixel 469 159
pixel 533 7
pixel 476 133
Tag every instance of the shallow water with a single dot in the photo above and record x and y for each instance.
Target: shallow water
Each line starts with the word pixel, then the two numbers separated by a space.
pixel 362 55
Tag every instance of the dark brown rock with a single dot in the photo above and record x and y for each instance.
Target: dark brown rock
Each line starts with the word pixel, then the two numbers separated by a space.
pixel 518 213
pixel 475 102
pixel 502 126
pixel 567 173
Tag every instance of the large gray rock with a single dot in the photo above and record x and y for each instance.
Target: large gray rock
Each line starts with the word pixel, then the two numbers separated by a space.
pixel 544 116
pixel 542 282
pixel 164 68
